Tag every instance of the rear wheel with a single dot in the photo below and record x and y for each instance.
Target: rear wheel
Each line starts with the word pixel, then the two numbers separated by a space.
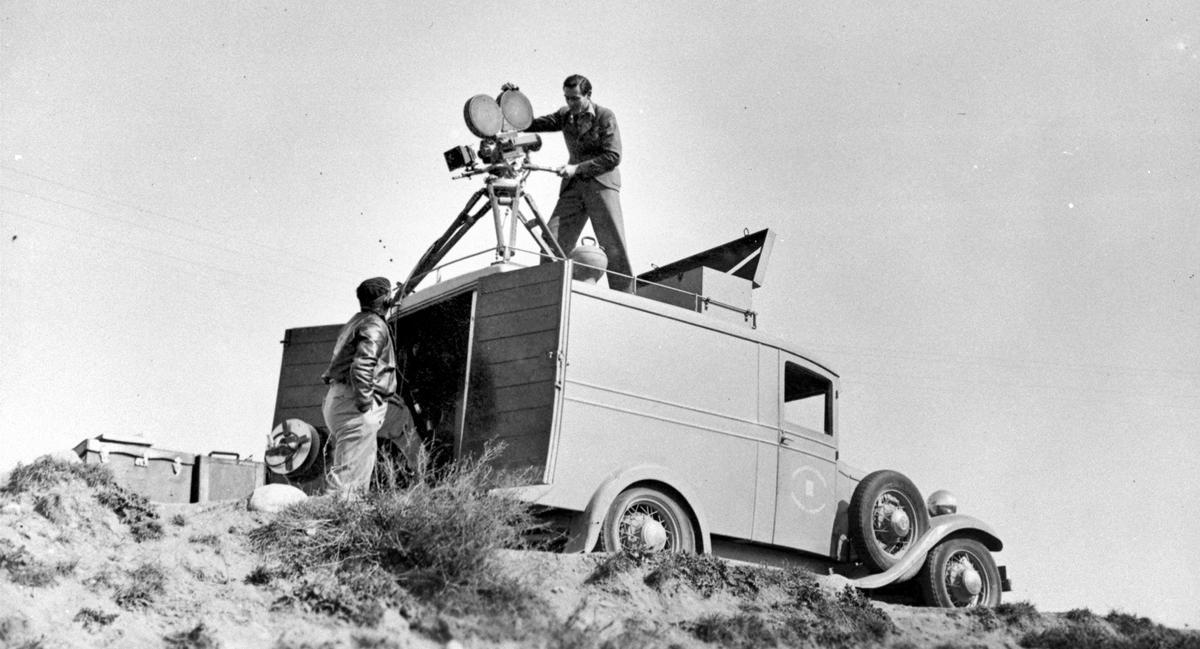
pixel 960 573
pixel 643 519
pixel 887 515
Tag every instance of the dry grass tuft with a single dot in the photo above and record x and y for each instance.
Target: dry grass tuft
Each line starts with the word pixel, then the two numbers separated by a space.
pixel 46 472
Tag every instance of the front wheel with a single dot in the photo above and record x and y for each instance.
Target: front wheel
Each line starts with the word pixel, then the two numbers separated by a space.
pixel 960 573
pixel 643 519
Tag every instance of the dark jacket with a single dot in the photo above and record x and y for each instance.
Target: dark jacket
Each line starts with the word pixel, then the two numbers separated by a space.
pixel 593 142
pixel 364 359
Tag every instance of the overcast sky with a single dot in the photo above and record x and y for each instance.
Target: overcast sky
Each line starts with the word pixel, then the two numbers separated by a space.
pixel 986 217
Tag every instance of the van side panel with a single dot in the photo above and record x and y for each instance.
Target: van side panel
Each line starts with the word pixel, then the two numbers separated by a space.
pixel 643 388
pixel 511 389
pixel 306 354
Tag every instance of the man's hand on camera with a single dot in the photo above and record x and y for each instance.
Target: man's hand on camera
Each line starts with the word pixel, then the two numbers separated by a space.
pixel 567 171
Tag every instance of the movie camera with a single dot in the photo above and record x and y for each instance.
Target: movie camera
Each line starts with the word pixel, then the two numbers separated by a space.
pixel 503 155
pixel 503 149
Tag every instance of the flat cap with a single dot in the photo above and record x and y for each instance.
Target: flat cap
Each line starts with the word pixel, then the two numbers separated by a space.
pixel 373 289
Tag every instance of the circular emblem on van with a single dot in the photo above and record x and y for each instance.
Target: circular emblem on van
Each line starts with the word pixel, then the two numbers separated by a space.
pixel 809 490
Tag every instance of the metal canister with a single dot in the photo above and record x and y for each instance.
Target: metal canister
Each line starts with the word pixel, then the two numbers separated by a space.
pixel 590 260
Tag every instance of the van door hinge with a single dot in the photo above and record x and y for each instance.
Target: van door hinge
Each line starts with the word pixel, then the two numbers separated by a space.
pixel 560 359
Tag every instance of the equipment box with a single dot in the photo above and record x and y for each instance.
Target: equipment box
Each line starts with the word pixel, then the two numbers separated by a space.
pixel 160 475
pixel 226 476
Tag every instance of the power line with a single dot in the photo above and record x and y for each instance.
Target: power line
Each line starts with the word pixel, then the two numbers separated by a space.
pixel 147 228
pixel 190 263
pixel 132 206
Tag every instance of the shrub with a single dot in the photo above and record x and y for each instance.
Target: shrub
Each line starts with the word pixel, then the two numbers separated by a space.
pixel 1127 632
pixel 429 536
pixel 1017 613
pixel 1079 615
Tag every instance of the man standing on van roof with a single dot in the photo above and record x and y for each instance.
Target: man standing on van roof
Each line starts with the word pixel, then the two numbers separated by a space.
pixel 591 182
pixel 361 377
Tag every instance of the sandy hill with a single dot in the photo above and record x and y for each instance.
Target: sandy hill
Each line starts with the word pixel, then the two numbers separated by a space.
pixel 84 563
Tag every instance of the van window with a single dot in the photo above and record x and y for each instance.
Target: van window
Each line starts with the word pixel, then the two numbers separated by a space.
pixel 806 398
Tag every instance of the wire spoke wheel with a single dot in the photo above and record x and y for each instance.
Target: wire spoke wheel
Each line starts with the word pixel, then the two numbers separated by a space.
pixel 643 519
pixel 960 573
pixel 891 522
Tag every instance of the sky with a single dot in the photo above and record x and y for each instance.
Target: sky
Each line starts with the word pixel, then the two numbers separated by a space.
pixel 986 217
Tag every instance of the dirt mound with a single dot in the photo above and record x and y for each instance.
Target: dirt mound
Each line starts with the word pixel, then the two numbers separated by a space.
pixel 85 564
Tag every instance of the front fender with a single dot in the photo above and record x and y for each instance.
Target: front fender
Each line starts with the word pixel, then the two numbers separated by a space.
pixel 585 532
pixel 940 527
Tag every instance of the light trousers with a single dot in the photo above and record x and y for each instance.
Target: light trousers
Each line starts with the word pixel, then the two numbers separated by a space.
pixel 353 435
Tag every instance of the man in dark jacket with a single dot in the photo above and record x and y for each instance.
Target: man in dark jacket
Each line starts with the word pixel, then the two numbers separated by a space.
pixel 591 182
pixel 361 377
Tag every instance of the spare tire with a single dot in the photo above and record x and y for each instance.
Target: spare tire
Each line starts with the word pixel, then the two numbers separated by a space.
pixel 887 516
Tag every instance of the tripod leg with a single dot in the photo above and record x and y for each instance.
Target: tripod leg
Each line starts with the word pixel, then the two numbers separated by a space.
pixel 439 248
pixel 547 242
pixel 503 250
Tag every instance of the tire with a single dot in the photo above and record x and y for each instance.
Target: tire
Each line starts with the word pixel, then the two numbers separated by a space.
pixel 874 519
pixel 623 524
pixel 942 577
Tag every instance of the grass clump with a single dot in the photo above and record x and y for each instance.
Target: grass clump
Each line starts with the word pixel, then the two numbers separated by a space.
pixel 93 619
pixel 433 539
pixel 806 614
pixel 146 584
pixel 26 570
pixel 707 575
pixel 738 631
pixel 358 594
pixel 211 540
pixel 197 637
pixel 430 535
pixel 614 564
pixel 46 472
pixel 1018 614
pixel 1113 631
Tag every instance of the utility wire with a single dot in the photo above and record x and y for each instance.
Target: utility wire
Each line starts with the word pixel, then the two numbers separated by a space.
pixel 132 206
pixel 147 228
pixel 189 263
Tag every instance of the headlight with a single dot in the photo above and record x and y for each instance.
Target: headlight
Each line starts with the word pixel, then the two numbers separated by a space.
pixel 941 502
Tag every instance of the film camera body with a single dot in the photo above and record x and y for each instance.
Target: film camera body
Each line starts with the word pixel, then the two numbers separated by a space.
pixel 503 148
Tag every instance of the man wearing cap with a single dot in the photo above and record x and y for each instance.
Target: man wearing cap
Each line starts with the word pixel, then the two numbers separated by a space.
pixel 591 185
pixel 361 377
